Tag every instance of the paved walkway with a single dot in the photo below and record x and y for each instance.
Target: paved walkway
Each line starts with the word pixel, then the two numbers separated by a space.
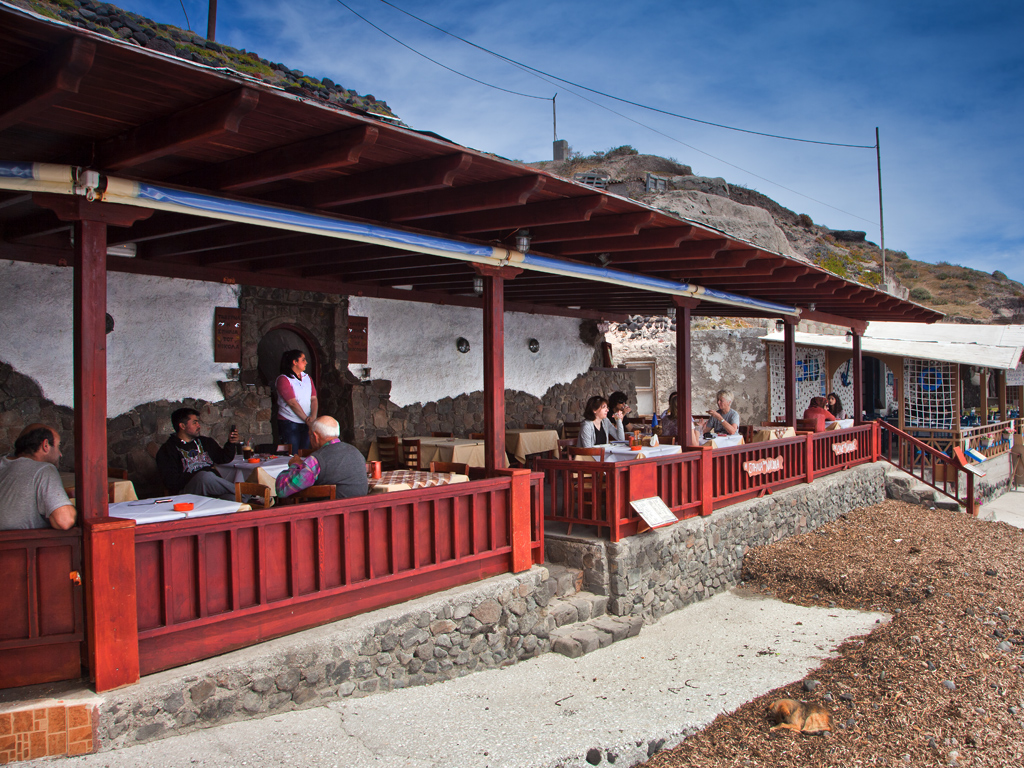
pixel 1008 508
pixel 616 704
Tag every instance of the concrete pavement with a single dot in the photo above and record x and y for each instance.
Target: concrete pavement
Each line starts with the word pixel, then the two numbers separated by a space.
pixel 1008 508
pixel 618 704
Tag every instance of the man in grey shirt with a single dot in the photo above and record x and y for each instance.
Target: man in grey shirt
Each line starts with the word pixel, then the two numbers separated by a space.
pixel 31 492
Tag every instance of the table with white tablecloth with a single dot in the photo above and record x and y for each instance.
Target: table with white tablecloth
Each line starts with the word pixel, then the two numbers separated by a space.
pixel 124 490
pixel 161 509
pixel 264 472
pixel 722 441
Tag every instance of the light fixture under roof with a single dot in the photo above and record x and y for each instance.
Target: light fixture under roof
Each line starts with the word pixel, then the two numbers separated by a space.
pixel 125 250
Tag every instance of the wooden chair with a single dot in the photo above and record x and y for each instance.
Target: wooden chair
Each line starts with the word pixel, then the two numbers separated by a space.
pixel 747 430
pixel 314 492
pixel 817 424
pixel 587 488
pixel 110 492
pixel 476 435
pixel 449 466
pixel 120 474
pixel 670 440
pixel 571 430
pixel 442 434
pixel 387 452
pixel 280 449
pixel 596 452
pixel 304 453
pixel 253 489
pixel 535 426
pixel 410 453
pixel 564 446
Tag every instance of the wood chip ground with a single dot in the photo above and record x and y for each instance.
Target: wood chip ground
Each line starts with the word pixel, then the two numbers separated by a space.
pixel 942 683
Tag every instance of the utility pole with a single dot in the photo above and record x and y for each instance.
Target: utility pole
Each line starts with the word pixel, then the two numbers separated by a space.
pixel 211 21
pixel 881 219
pixel 554 117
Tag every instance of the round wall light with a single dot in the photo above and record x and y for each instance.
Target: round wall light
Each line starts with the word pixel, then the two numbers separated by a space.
pixel 534 345
pixel 462 345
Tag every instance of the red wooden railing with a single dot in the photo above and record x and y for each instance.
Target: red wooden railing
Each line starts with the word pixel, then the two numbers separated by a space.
pixel 697 481
pixel 41 630
pixel 210 585
pixel 925 463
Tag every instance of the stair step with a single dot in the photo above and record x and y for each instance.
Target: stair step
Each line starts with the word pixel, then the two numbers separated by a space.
pixel 564 580
pixel 581 606
pixel 575 640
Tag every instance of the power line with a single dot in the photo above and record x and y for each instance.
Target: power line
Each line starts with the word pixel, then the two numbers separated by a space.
pixel 438 63
pixel 617 98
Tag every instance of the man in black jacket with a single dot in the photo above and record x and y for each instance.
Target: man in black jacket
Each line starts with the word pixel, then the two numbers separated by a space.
pixel 186 461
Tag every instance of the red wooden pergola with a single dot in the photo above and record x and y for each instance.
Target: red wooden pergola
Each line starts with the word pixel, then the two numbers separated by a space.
pixel 73 98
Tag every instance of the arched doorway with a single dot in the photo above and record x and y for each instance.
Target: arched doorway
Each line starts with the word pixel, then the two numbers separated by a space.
pixel 275 343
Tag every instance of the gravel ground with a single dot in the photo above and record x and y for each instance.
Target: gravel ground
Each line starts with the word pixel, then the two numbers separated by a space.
pixel 941 684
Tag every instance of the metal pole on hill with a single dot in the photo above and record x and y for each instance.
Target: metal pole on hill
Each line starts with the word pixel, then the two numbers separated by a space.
pixel 881 219
pixel 554 117
pixel 211 21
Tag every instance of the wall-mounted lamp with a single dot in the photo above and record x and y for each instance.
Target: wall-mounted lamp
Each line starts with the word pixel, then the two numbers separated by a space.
pixel 811 306
pixel 671 312
pixel 365 373
pixel 462 345
pixel 534 345
pixel 780 325
pixel 523 241
pixel 478 286
pixel 849 335
pixel 604 258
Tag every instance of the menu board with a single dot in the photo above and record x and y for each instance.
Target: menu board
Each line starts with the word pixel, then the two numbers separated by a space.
pixel 654 511
pixel 227 335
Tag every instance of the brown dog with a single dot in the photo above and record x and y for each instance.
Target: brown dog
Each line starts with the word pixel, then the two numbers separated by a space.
pixel 800 716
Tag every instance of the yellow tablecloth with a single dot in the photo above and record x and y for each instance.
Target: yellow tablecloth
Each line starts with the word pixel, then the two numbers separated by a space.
pixel 405 480
pixel 451 449
pixel 522 442
pixel 123 489
pixel 764 434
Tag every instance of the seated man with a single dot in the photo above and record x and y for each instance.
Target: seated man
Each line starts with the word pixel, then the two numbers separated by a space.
pixel 186 461
pixel 331 463
pixel 31 492
pixel 723 420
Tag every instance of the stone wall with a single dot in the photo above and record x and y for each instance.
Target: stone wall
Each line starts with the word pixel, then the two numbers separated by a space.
pixel 374 414
pixel 485 625
pixel 663 570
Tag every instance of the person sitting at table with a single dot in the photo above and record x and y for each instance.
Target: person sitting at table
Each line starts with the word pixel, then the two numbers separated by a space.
pixel 31 492
pixel 668 419
pixel 835 406
pixel 332 462
pixel 817 408
pixel 186 461
pixel 618 402
pixel 723 420
pixel 597 428
pixel 296 401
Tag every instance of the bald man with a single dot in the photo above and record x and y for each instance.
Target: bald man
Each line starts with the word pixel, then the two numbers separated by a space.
pixel 31 492
pixel 331 463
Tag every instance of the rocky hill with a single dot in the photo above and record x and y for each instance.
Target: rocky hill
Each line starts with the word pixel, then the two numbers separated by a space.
pixel 133 29
pixel 965 295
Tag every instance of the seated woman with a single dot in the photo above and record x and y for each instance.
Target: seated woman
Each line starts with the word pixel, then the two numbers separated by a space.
pixel 835 406
pixel 668 419
pixel 597 428
pixel 618 402
pixel 723 420
pixel 818 408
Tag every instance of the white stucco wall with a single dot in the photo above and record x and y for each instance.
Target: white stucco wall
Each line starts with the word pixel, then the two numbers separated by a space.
pixel 161 347
pixel 413 345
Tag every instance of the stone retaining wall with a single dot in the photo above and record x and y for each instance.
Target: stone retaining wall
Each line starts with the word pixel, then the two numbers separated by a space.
pixel 664 570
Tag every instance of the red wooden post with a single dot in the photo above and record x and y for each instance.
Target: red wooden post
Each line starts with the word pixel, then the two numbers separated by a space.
pixel 706 481
pixel 858 379
pixel 789 346
pixel 494 363
pixel 810 457
pixel 684 384
pixel 520 520
pixel 876 441
pixel 113 633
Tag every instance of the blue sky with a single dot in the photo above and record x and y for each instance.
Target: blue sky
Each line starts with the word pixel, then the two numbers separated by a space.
pixel 943 81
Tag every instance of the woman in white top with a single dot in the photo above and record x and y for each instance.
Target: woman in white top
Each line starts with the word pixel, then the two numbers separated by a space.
pixel 597 428
pixel 296 401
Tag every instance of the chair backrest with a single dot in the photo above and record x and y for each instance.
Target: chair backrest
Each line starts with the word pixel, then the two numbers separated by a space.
pixel 304 452
pixel 571 429
pixel 588 454
pixel 535 426
pixel 252 489
pixel 317 492
pixel 775 424
pixel 280 449
pixel 442 434
pixel 457 467
pixel 815 424
pixel 110 492
pixel 747 430
pixel 387 452
pixel 120 474
pixel 476 435
pixel 564 446
pixel 670 440
pixel 410 453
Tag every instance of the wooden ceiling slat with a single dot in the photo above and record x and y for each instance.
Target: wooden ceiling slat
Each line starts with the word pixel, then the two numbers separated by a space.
pixel 565 211
pixel 648 239
pixel 44 81
pixel 602 226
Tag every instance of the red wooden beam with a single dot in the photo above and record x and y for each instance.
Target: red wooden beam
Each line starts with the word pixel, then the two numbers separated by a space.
pixel 467 199
pixel 45 81
pixel 648 239
pixel 616 225
pixel 318 153
pixel 419 176
pixel 712 256
pixel 494 363
pixel 573 209
pixel 174 133
pixel 858 378
pixel 789 352
pixel 684 383
pixel 859 326
pixel 784 276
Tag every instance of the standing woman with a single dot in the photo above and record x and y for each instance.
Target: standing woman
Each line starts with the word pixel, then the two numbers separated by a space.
pixel 835 406
pixel 296 401
pixel 597 428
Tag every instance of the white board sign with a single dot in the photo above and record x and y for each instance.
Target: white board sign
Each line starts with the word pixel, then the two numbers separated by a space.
pixel 654 511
